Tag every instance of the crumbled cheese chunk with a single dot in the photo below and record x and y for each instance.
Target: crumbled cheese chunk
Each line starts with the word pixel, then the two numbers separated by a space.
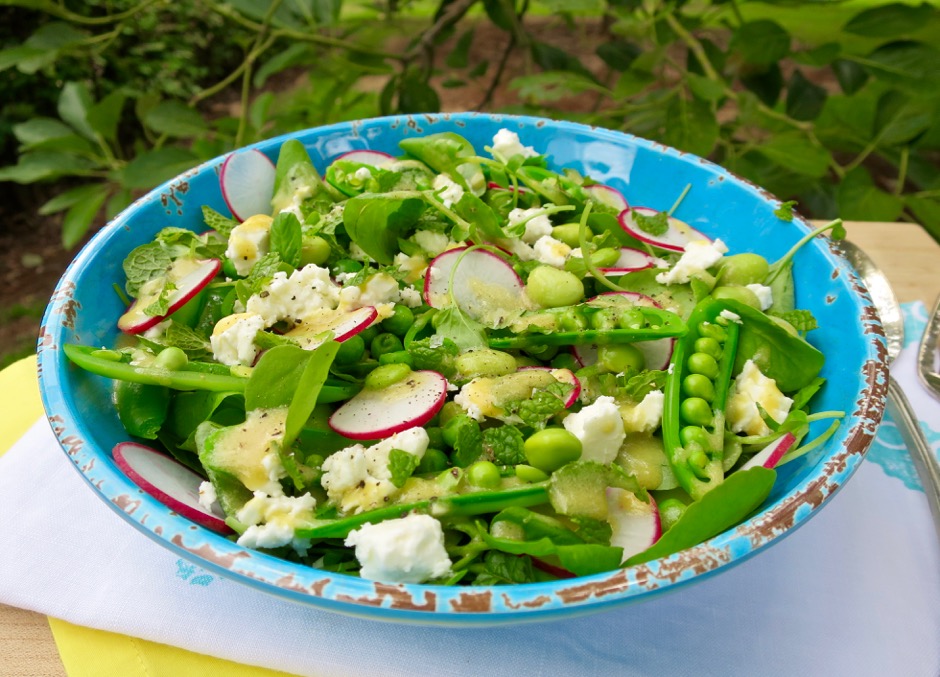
pixel 208 496
pixel 699 255
pixel 600 429
pixel 380 291
pixel 538 225
pixel 409 549
pixel 751 388
pixel 272 520
pixel 730 316
pixel 464 400
pixel 411 297
pixel 411 266
pixel 357 478
pixel 646 416
pixel 248 242
pixel 362 174
pixel 293 298
pixel 764 294
pixel 233 339
pixel 448 190
pixel 551 252
pixel 506 143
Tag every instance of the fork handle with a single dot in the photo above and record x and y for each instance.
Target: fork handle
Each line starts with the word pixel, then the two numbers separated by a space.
pixel 928 352
pixel 926 463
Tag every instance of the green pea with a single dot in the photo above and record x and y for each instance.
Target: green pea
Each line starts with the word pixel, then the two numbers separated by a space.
pixel 369 333
pixel 565 361
pixel 670 510
pixel 385 343
pixel 714 331
pixel 551 448
pixel 743 269
pixel 605 257
pixel 347 266
pixel 485 362
pixel 397 357
pixel 400 322
pixel 434 460
pixel 697 385
pixel 172 359
pixel 386 375
pixel 526 361
pixel 605 318
pixel 450 429
pixel 351 350
pixel 698 461
pixel 631 318
pixel 435 437
pixel 709 346
pixel 696 411
pixel 740 294
pixel 448 411
pixel 700 363
pixel 692 435
pixel 572 319
pixel 483 474
pixel 567 233
pixel 616 358
pixel 541 352
pixel 553 288
pixel 314 250
pixel 528 473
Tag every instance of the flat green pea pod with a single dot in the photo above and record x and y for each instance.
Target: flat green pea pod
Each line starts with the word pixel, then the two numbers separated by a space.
pixel 352 178
pixel 295 172
pixel 448 153
pixel 142 408
pixel 697 394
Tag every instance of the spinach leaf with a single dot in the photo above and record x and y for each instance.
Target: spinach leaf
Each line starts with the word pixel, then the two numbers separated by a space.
pixel 451 154
pixel 500 568
pixel 473 210
pixel 721 508
pixel 295 172
pixel 376 221
pixel 582 559
pixel 457 326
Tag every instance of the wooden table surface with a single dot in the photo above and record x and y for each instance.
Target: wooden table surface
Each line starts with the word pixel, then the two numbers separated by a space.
pixel 908 255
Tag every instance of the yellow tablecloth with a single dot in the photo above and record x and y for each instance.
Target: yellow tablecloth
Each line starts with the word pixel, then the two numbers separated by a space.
pixel 84 651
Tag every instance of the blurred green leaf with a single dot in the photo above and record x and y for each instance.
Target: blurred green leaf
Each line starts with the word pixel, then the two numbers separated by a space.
pixel 23 57
pixel 40 130
pixel 927 212
pixel 691 126
pixel 823 55
pixel 805 99
pixel 175 119
pixel 851 76
pixel 105 115
pixel 415 95
pixel 74 103
pixel 704 88
pixel 899 119
pixel 618 54
pixel 860 199
pixel 282 60
pixel 79 217
pixel 914 66
pixel 117 203
pixel 553 85
pixel 766 83
pixel 43 165
pixel 797 153
pixel 459 56
pixel 889 21
pixel 762 42
pixel 153 167
pixel 66 199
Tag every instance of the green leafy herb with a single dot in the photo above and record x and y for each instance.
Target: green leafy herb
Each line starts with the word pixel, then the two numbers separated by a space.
pixel 536 410
pixel 500 568
pixel 186 339
pixel 638 386
pixel 435 355
pixel 654 225
pixel 504 445
pixel 145 263
pixel 454 324
pixel 287 238
pixel 468 446
pixel 401 465
pixel 376 221
pixel 593 530
pixel 801 320
pixel 217 222
pixel 785 211
pixel 162 305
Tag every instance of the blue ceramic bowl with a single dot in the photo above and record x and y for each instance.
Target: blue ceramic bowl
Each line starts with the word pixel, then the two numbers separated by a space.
pixel 84 309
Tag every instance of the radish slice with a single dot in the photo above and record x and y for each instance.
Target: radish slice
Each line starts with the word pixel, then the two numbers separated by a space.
pixel 676 237
pixel 373 158
pixel 375 414
pixel 770 455
pixel 636 525
pixel 553 569
pixel 188 275
pixel 344 325
pixel 484 283
pixel 565 376
pixel 492 185
pixel 168 481
pixel 630 261
pixel 247 180
pixel 608 196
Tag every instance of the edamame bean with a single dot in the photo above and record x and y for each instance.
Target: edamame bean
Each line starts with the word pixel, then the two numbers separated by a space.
pixel 369 333
pixel 696 411
pixel 709 346
pixel 743 269
pixel 631 318
pixel 700 363
pixel 670 510
pixel 485 362
pixel 567 233
pixel 526 361
pixel 434 460
pixel 740 294
pixel 385 343
pixel 171 358
pixel 605 318
pixel 697 385
pixel 551 448
pixel 572 320
pixel 553 288
pixel 386 375
pixel 483 474
pixel 605 257
pixel 528 473
pixel 616 358
pixel 400 322
pixel 314 250
pixel 351 350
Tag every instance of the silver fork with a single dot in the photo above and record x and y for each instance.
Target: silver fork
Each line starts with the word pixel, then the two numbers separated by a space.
pixel 928 352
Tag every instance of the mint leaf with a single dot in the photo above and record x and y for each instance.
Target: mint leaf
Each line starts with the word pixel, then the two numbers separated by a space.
pixel 654 225
pixel 504 445
pixel 640 385
pixel 186 339
pixel 400 466
pixel 536 410
pixel 456 325
pixel 801 320
pixel 593 530
pixel 785 211
pixel 145 263
pixel 468 445
pixel 435 355
pixel 287 238
pixel 500 568
pixel 217 222
pixel 162 305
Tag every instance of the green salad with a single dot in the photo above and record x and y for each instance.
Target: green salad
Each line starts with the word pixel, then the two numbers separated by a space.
pixel 456 367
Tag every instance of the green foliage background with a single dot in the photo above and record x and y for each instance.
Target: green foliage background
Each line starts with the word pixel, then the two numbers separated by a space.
pixel 833 104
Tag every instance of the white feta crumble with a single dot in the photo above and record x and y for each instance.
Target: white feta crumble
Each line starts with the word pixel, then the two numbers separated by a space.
pixel 730 316
pixel 463 400
pixel 506 143
pixel 248 242
pixel 600 429
pixel 293 298
pixel 751 388
pixel 362 174
pixel 411 266
pixel 431 242
pixel 411 297
pixel 537 224
pixel 409 549
pixel 520 249
pixel 699 255
pixel 272 520
pixel 157 330
pixel 551 252
pixel 380 291
pixel 207 496
pixel 233 339
pixel 646 416
pixel 357 478
pixel 294 207
pixel 764 294
pixel 448 190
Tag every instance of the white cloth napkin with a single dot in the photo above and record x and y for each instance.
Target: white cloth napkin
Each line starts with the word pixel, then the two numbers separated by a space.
pixel 854 592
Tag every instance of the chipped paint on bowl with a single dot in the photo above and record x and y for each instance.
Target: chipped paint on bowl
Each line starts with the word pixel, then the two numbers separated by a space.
pixel 84 309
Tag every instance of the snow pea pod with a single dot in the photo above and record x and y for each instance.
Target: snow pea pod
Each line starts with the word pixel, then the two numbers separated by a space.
pixel 142 408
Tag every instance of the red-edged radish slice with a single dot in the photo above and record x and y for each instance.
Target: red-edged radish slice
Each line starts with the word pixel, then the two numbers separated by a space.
pixel 484 283
pixel 608 196
pixel 373 158
pixel 565 376
pixel 189 276
pixel 247 181
pixel 630 261
pixel 168 481
pixel 553 569
pixel 492 185
pixel 676 237
pixel 769 456
pixel 635 525
pixel 343 324
pixel 375 414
